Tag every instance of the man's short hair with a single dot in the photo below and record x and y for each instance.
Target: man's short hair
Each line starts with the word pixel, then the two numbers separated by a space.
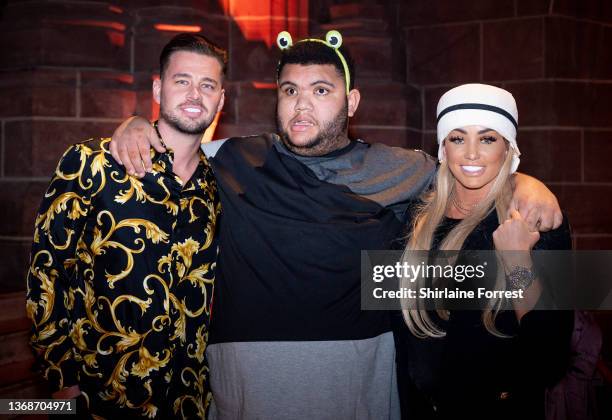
pixel 312 52
pixel 192 43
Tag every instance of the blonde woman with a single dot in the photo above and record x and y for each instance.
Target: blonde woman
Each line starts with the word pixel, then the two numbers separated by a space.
pixel 480 364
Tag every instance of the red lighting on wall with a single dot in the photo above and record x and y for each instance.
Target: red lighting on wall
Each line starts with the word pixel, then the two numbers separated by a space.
pixel 263 20
pixel 264 85
pixel 116 38
pixel 123 78
pixel 115 9
pixel 177 28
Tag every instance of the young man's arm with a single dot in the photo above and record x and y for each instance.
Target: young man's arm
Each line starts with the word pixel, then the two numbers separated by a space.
pixel 537 205
pixel 52 287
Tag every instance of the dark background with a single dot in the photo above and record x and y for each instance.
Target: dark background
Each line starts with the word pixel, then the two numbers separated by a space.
pixel 70 70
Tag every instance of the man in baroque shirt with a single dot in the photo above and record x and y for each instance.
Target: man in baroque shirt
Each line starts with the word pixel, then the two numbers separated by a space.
pixel 122 269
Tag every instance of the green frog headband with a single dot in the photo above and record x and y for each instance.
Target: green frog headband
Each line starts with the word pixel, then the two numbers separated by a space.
pixel 333 40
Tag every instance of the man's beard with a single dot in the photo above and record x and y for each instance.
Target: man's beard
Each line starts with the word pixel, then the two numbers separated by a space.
pixel 331 136
pixel 186 127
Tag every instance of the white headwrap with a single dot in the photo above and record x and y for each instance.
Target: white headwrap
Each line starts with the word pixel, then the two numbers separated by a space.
pixel 477 104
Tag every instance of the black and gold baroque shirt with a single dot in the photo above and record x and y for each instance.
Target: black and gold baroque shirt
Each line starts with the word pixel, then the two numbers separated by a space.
pixel 120 283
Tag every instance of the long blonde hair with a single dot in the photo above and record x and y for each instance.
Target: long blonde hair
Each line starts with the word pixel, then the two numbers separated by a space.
pixel 424 225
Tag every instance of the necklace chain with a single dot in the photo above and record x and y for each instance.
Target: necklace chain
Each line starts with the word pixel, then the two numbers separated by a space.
pixel 463 209
pixel 159 136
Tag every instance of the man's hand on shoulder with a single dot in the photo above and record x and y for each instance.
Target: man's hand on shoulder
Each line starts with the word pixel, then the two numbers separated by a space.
pixel 537 205
pixel 131 144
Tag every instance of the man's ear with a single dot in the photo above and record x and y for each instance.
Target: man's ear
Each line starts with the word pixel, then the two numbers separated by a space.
pixel 157 90
pixel 221 101
pixel 353 101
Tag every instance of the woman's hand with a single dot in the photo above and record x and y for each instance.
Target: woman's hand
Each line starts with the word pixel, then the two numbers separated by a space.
pixel 131 145
pixel 514 234
pixel 515 241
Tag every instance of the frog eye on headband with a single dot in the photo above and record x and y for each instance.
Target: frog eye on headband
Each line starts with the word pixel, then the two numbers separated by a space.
pixel 334 39
pixel 283 40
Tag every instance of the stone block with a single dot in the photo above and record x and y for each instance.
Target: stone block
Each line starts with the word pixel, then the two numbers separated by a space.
pixel 597 153
pixel 256 105
pixel 588 206
pixel 373 56
pixel 33 148
pixel 249 56
pixel 578 50
pixel 389 104
pixel 150 38
pixel 14 258
pixel 532 7
pixel 551 155
pixel 107 94
pixel 64 33
pixel 563 103
pixel 513 49
pixel 18 211
pixel 586 9
pixel 446 54
pixel 41 92
pixel 593 242
pixel 424 12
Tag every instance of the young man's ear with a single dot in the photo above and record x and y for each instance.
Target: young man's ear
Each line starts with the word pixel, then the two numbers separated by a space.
pixel 157 90
pixel 353 101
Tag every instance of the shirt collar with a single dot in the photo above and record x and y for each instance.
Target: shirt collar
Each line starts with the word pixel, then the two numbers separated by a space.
pixel 162 162
pixel 280 146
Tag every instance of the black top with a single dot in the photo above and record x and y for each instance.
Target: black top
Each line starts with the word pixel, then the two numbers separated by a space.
pixel 471 373
pixel 289 258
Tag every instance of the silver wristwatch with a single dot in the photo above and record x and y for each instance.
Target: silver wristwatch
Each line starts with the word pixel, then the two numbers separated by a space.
pixel 520 278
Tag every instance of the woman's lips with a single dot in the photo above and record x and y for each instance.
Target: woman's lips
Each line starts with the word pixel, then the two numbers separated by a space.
pixel 472 170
